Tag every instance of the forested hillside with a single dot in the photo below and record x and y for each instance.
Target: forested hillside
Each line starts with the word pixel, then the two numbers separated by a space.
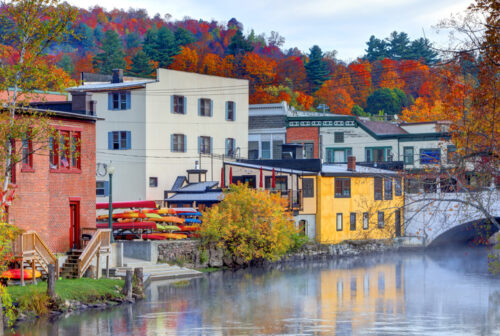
pixel 395 74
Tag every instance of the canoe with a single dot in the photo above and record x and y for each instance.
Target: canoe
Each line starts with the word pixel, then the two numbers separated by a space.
pixel 167 227
pixel 184 210
pixel 172 235
pixel 129 214
pixel 190 214
pixel 166 211
pixel 15 274
pixel 189 228
pixel 192 221
pixel 125 205
pixel 168 219
pixel 129 226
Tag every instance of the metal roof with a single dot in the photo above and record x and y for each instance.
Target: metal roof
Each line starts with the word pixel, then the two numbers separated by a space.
pixel 198 187
pixel 276 169
pixel 382 127
pixel 111 86
pixel 341 169
pixel 179 181
pixel 212 196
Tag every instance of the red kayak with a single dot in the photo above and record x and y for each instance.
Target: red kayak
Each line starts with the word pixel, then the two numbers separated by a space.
pixel 129 226
pixel 188 228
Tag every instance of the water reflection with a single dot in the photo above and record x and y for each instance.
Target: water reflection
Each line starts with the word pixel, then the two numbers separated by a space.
pixel 391 294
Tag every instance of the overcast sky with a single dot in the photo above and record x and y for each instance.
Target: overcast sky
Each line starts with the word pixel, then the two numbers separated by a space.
pixel 342 25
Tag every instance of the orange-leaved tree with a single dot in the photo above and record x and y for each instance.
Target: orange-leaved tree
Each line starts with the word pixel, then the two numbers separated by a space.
pixel 249 224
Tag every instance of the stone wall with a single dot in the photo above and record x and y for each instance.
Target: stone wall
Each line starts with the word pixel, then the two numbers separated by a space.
pixel 185 253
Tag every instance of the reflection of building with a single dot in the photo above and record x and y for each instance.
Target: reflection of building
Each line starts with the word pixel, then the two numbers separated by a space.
pixel 354 297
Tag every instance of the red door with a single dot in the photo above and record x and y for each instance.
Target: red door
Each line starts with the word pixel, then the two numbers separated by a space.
pixel 74 230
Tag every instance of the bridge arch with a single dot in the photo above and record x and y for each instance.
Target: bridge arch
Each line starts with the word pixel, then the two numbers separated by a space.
pixel 473 232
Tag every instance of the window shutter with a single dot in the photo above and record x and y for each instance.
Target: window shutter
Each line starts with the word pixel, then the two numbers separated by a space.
pixel 129 140
pixel 110 101
pixel 211 145
pixel 171 104
pixel 171 142
pixel 199 106
pixel 227 113
pixel 106 188
pixel 110 140
pixel 128 97
pixel 234 111
pixel 199 145
pixel 185 138
pixel 184 105
pixel 211 107
pixel 227 142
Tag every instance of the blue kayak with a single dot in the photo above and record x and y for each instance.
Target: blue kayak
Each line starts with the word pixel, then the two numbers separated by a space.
pixel 192 221
pixel 189 214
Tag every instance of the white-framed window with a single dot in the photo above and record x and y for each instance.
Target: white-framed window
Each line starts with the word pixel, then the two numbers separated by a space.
pixel 119 100
pixel 178 143
pixel 230 147
pixel 366 220
pixel 205 107
pixel 339 222
pixel 178 104
pixel 230 110
pixel 204 145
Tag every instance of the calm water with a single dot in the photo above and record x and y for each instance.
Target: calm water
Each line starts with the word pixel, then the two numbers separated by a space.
pixel 411 294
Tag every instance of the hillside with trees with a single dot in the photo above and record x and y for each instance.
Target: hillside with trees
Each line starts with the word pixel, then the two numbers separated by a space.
pixel 396 73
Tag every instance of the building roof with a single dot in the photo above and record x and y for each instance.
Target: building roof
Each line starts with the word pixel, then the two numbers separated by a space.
pixel 270 168
pixel 382 127
pixel 198 187
pixel 178 183
pixel 212 196
pixel 268 109
pixel 341 170
pixel 309 165
pixel 266 121
pixel 137 84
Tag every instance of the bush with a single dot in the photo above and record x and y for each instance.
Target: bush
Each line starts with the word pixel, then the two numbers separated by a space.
pixel 249 224
pixel 35 301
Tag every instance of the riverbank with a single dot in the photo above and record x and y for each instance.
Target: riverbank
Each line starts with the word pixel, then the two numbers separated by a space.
pixel 31 301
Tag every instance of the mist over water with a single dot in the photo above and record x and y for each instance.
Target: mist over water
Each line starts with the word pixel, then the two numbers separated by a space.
pixel 437 293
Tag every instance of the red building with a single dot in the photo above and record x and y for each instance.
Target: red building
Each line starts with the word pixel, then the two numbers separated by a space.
pixel 55 193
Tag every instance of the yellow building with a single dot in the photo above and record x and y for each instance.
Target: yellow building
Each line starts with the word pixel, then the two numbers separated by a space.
pixel 358 203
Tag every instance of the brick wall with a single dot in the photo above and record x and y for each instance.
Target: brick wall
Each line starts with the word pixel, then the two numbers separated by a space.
pixel 42 201
pixel 304 134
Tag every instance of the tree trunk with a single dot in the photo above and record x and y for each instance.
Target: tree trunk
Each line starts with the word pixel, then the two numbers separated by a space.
pixel 51 282
pixel 127 287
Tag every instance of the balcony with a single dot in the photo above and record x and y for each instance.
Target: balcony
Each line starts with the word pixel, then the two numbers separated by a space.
pixel 294 199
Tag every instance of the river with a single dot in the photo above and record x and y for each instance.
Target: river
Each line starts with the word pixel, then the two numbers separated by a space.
pixel 439 293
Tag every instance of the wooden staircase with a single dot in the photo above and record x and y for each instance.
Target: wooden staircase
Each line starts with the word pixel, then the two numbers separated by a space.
pixel 69 269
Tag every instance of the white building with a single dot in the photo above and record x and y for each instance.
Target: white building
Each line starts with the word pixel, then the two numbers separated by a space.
pixel 155 130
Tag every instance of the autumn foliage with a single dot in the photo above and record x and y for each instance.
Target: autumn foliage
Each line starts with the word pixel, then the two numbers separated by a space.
pixel 249 224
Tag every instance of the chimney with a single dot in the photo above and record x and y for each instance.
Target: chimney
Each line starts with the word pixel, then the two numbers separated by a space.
pixel 117 76
pixel 81 102
pixel 351 163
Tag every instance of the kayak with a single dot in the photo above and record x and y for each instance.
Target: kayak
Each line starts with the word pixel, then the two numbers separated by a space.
pixel 192 221
pixel 129 215
pixel 129 226
pixel 16 274
pixel 153 236
pixel 168 219
pixel 167 227
pixel 192 214
pixel 172 235
pixel 125 205
pixel 189 228
pixel 166 211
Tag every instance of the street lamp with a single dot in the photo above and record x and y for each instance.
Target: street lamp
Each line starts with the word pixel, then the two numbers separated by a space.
pixel 111 171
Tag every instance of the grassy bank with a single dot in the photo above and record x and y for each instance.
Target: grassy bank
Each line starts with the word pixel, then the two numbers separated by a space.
pixel 83 290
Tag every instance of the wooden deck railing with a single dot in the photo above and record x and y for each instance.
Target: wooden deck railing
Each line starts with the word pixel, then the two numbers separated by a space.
pixel 31 248
pixel 294 198
pixel 100 244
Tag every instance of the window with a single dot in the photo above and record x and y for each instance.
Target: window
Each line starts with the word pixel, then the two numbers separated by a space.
pixel 204 145
pixel 308 187
pixel 430 156
pixel 408 155
pixel 430 185
pixel 366 220
pixel 178 104
pixel 119 140
pixel 380 220
pixel 379 188
pixel 266 149
pixel 230 110
pixel 249 179
pixel 451 154
pixel 253 150
pixel 308 151
pixel 102 188
pixel 178 143
pixel 388 188
pixel 378 154
pixel 339 222
pixel 413 186
pixel 280 182
pixel 339 137
pixel 353 221
pixel 205 107
pixel 230 147
pixel 118 100
pixel 448 185
pixel 153 182
pixel 342 187
pixel 398 188
pixel 65 150
pixel 27 154
pixel 338 155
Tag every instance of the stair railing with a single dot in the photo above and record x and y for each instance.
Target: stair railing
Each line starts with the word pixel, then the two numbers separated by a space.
pixel 100 244
pixel 31 248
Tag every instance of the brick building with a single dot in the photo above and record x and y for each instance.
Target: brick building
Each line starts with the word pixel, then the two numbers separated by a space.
pixel 55 193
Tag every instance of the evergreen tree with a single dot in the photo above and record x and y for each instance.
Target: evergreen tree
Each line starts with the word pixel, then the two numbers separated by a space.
pixel 160 46
pixel 132 40
pixel 98 33
pixel 183 37
pixel 112 56
pixel 398 45
pixel 66 63
pixel 239 44
pixel 140 65
pixel 85 39
pixel 316 69
pixel 376 50
pixel 385 100
pixel 421 49
pixel 358 111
